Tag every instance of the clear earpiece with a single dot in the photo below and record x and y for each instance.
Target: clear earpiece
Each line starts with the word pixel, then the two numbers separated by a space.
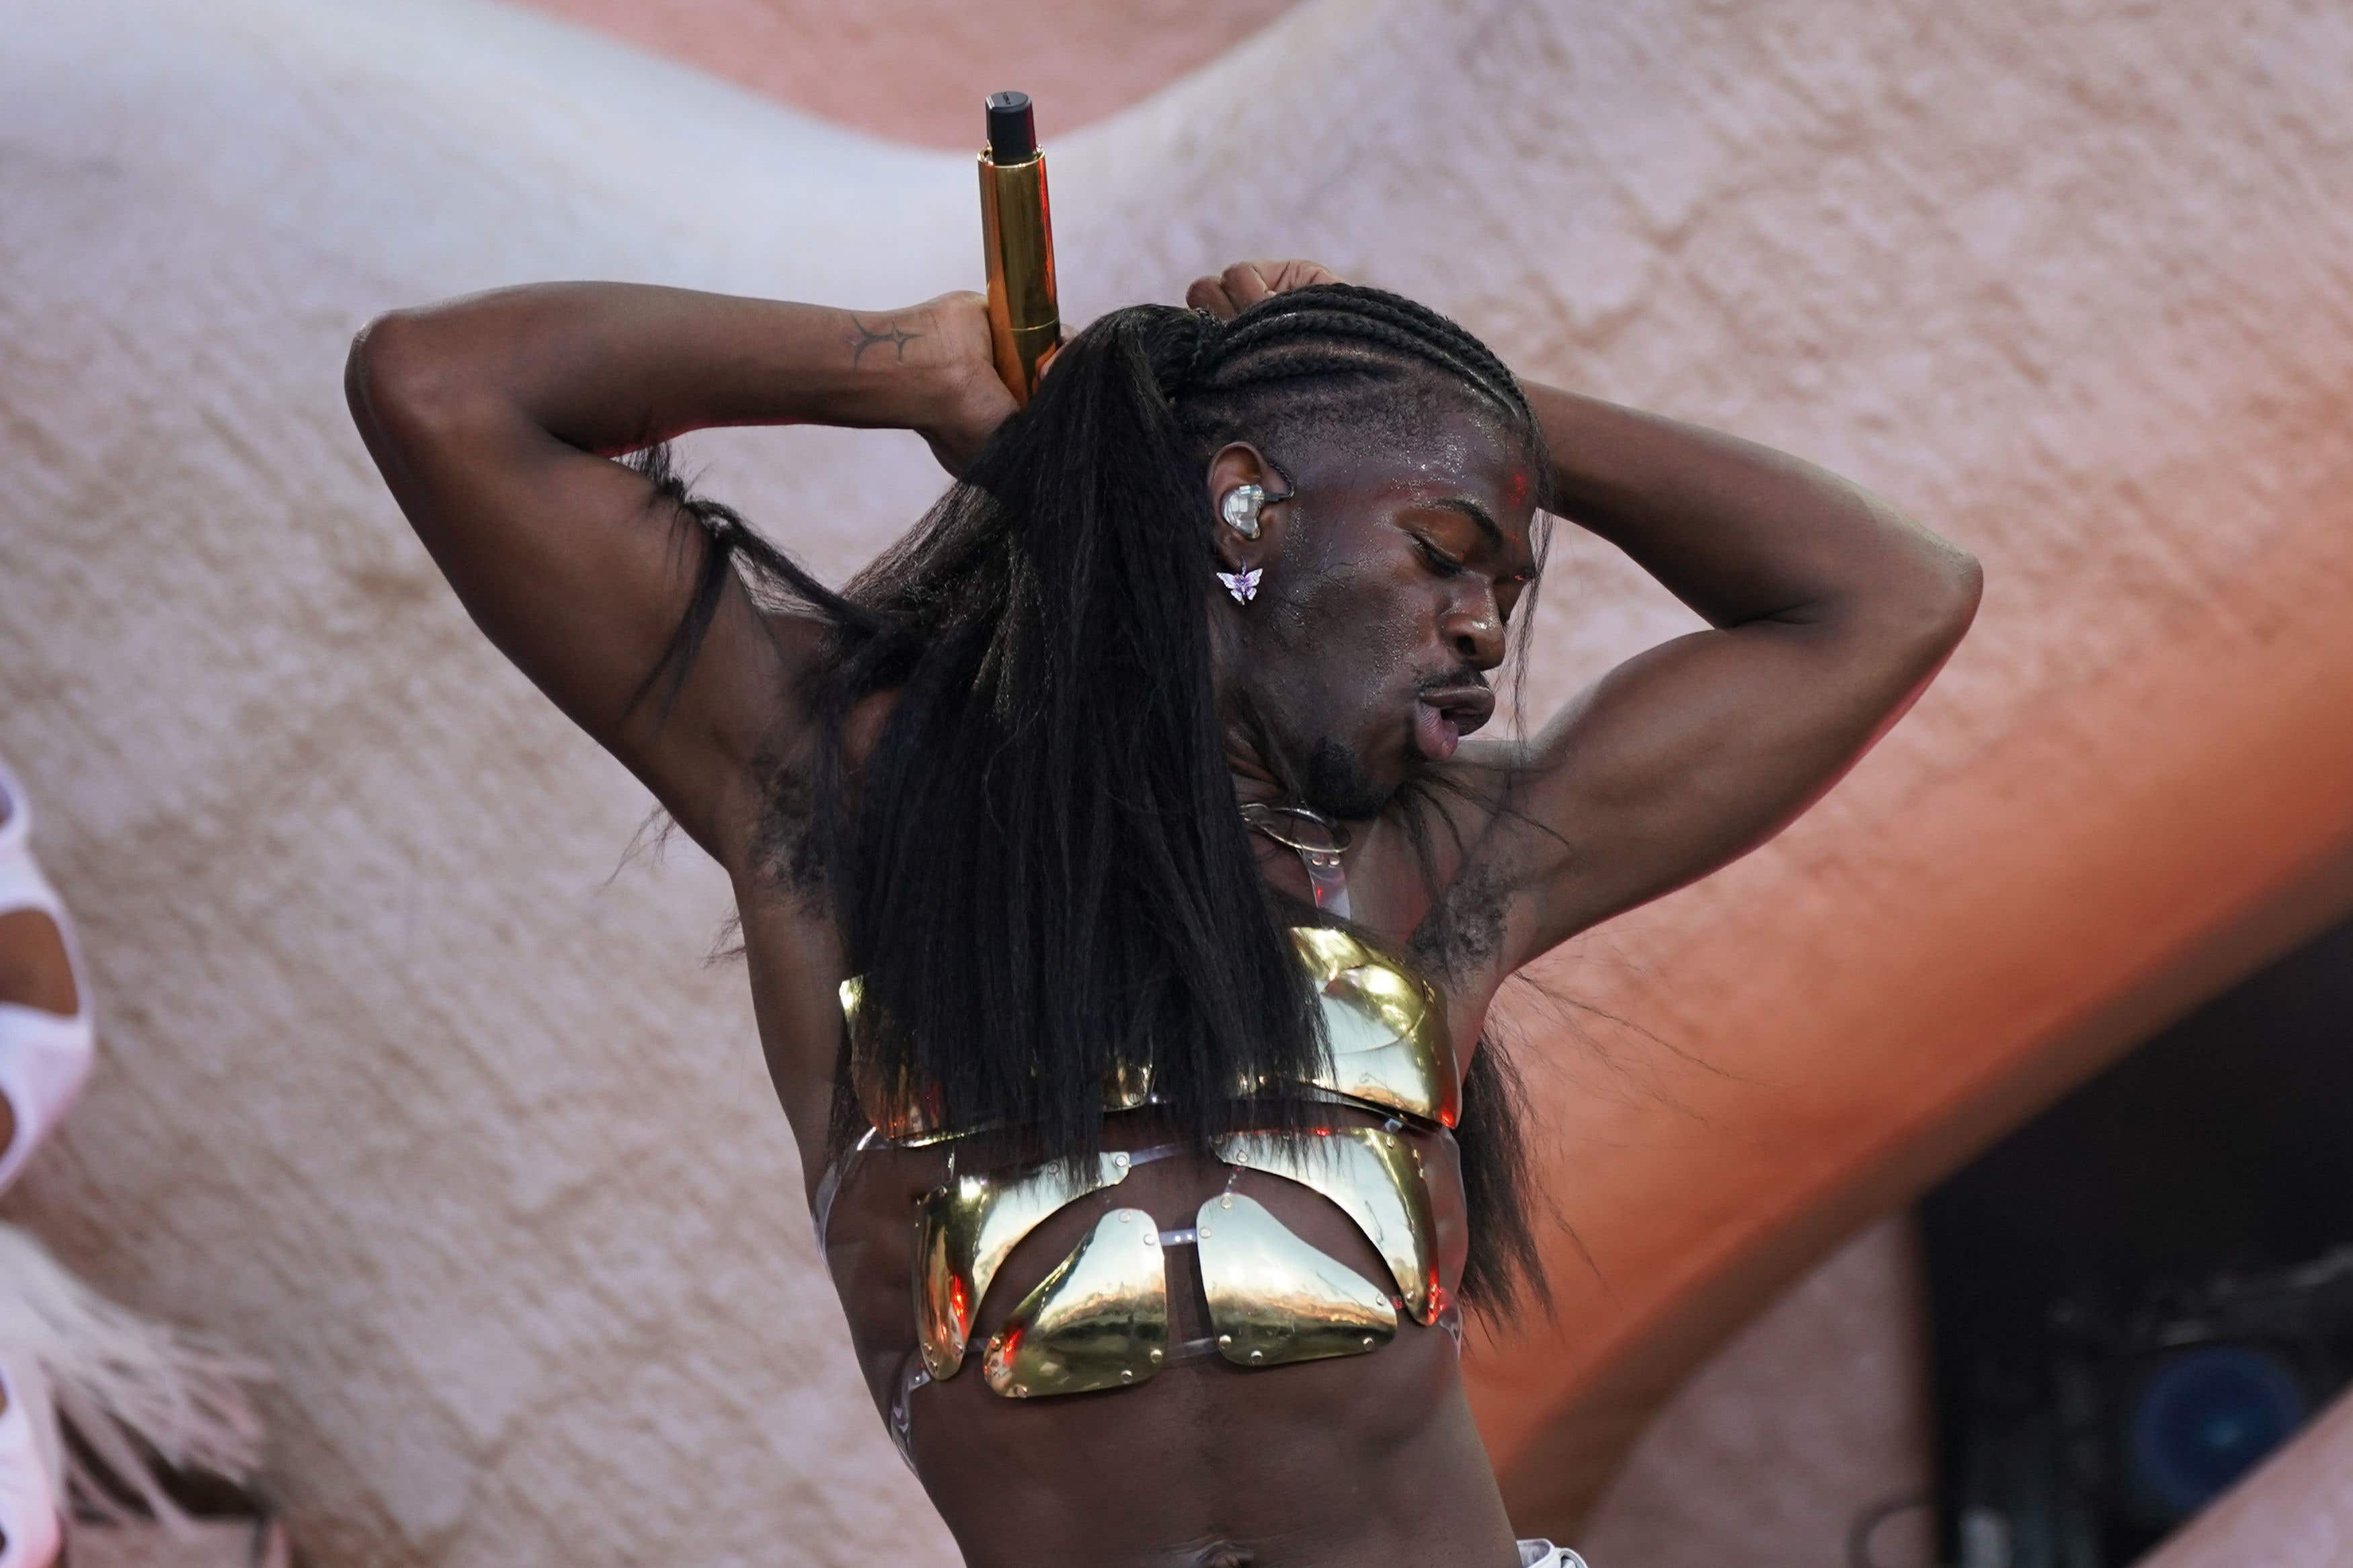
pixel 1240 509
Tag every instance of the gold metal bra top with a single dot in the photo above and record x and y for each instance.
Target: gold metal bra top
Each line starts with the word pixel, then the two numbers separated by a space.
pixel 1100 1318
pixel 1390 1046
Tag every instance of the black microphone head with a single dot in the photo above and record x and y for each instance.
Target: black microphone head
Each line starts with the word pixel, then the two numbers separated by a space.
pixel 1012 128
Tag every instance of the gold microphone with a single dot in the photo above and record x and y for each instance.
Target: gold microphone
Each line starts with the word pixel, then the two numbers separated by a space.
pixel 1017 234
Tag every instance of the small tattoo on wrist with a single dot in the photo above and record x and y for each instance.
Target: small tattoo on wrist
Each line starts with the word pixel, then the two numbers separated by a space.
pixel 866 337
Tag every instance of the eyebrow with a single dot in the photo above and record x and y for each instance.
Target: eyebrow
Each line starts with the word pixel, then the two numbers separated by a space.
pixel 1488 526
pixel 1476 513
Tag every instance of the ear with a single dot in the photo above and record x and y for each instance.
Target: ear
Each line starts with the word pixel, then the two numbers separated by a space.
pixel 1234 465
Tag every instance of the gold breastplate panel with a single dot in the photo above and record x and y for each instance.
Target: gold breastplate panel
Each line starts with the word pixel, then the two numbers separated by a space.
pixel 1377 1178
pixel 1099 1321
pixel 1391 1048
pixel 1391 1045
pixel 963 1233
pixel 1273 1298
pixel 1100 1318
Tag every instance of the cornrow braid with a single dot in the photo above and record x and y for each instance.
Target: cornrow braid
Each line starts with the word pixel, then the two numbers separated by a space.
pixel 1179 350
pixel 1342 330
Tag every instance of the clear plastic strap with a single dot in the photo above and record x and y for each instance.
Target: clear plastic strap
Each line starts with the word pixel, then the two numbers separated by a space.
pixel 1319 843
pixel 828 1187
pixel 1327 878
pixel 902 1420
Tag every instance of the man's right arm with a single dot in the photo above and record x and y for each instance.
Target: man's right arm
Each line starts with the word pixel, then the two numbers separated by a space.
pixel 494 419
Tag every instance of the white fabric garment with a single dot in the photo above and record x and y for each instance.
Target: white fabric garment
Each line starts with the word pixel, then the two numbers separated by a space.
pixel 1545 1554
pixel 28 1472
pixel 44 1056
pixel 128 1384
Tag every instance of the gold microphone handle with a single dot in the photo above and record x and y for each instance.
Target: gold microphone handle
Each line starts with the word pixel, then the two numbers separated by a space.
pixel 1018 240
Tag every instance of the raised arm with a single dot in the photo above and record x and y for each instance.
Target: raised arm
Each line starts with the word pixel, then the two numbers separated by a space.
pixel 1830 613
pixel 494 419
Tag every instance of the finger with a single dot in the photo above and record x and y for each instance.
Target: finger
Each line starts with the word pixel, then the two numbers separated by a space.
pixel 1245 284
pixel 1208 294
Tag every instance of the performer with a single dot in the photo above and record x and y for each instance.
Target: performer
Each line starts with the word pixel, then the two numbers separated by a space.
pixel 1122 887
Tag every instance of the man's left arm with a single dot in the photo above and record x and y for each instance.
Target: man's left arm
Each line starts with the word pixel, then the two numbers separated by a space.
pixel 1829 614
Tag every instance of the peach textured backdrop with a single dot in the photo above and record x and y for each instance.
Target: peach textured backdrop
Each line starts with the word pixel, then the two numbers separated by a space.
pixel 400 1089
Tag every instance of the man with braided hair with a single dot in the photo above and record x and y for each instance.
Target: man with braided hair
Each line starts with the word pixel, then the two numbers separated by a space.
pixel 1122 887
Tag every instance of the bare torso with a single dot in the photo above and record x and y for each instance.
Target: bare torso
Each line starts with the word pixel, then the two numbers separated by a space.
pixel 1368 1460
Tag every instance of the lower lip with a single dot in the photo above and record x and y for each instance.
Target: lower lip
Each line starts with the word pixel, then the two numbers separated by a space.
pixel 1434 735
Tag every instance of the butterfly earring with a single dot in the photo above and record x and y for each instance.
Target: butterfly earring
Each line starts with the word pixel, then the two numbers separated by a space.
pixel 1239 508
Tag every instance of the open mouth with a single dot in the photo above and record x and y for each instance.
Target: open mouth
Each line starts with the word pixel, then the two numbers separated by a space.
pixel 1441 717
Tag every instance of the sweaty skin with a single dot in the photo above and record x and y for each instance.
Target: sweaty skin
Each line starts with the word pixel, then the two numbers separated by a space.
pixel 1388 583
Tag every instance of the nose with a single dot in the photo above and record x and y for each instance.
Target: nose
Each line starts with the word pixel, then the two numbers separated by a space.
pixel 1473 625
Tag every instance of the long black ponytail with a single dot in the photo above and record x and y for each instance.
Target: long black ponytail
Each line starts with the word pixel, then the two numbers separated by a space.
pixel 1039 871
pixel 1049 875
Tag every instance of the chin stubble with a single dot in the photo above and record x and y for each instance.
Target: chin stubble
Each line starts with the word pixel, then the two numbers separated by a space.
pixel 1337 785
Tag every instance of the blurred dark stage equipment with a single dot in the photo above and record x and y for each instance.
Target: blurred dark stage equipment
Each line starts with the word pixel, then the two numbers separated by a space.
pixel 2141 1294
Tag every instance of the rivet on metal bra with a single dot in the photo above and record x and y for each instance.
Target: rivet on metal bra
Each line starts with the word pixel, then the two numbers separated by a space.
pixel 1258 1355
pixel 1155 1355
pixel 1225 1339
pixel 1226 1202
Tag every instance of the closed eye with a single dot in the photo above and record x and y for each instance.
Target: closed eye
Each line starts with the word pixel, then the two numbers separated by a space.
pixel 1445 565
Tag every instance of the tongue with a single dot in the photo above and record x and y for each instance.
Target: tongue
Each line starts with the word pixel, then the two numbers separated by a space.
pixel 1434 733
